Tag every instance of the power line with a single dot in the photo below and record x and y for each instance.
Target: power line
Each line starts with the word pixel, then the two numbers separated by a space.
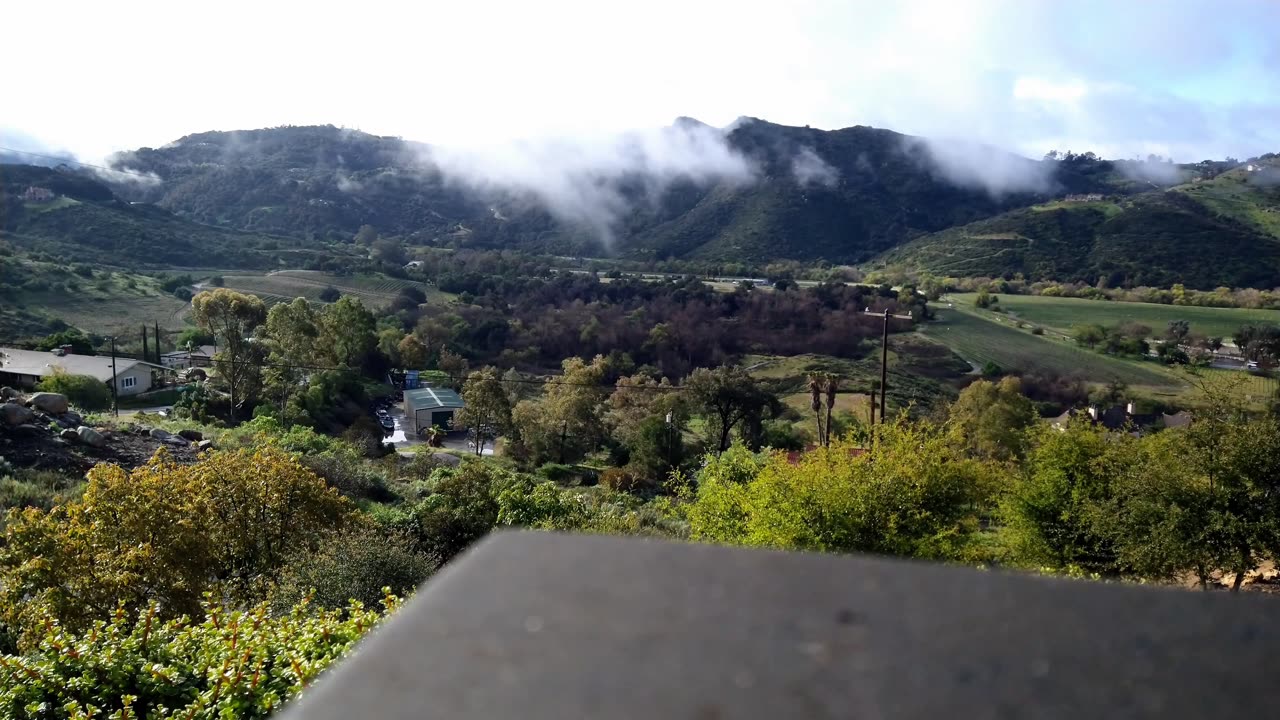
pixel 64 161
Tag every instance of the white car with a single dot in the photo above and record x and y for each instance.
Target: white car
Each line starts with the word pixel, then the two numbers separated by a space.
pixel 1251 365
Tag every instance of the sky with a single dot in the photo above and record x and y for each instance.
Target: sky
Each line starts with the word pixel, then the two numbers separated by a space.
pixel 1188 79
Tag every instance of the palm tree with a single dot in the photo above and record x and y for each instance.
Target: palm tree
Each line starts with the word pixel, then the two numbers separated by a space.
pixel 434 436
pixel 832 383
pixel 815 394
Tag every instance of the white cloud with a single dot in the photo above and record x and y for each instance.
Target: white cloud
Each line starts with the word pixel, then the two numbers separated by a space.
pixel 810 169
pixel 1200 78
pixel 578 178
pixel 1034 88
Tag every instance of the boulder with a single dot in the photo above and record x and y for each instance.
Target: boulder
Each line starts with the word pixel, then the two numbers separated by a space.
pixel 8 393
pixel 52 403
pixel 69 435
pixel 29 430
pixel 14 414
pixel 69 419
pixel 177 441
pixel 192 435
pixel 204 445
pixel 159 434
pixel 90 437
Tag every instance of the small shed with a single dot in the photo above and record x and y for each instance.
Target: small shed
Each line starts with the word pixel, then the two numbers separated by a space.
pixel 428 406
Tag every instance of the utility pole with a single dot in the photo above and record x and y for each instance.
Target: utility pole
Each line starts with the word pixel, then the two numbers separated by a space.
pixel 884 365
pixel 884 368
pixel 115 398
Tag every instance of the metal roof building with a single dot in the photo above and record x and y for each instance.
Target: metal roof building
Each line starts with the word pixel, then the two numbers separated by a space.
pixel 25 368
pixel 429 406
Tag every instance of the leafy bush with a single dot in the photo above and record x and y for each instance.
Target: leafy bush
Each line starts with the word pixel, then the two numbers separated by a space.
pixel 163 533
pixel 356 565
pixel 231 664
pixel 348 475
pixel 84 391
pixel 622 480
pixel 912 494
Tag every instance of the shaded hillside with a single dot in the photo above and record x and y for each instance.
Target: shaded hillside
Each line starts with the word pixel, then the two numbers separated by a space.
pixel 842 195
pixel 66 214
pixel 1224 231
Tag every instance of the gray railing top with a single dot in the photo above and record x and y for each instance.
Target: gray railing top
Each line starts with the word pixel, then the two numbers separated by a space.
pixel 539 625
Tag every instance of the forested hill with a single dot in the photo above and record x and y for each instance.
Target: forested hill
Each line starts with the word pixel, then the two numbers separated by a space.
pixel 67 214
pixel 842 195
pixel 755 191
pixel 1221 230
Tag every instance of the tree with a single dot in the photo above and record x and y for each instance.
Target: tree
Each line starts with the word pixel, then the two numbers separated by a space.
pixel 729 398
pixel 912 494
pixel 1177 331
pixel 992 418
pixel 389 251
pixel 232 317
pixel 84 391
pixel 164 533
pixel 330 294
pixel 79 342
pixel 487 413
pixel 1088 335
pixel 413 354
pixel 366 235
pixel 347 332
pixel 1050 507
pixel 453 365
pixel 291 333
pixel 634 400
pixel 822 400
pixel 565 424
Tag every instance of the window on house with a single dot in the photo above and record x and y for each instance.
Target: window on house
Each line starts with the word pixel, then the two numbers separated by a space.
pixel 128 382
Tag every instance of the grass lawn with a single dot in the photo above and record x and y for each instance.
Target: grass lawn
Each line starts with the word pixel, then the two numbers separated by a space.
pixel 1061 313
pixel 979 339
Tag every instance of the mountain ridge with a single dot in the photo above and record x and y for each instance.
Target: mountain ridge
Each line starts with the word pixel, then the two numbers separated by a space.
pixel 751 192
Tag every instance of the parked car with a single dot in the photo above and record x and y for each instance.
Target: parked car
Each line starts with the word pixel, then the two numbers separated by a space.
pixel 387 422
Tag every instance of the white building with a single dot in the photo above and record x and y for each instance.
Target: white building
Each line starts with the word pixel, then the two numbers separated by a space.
pixel 25 368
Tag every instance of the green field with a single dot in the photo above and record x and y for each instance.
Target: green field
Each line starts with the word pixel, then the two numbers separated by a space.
pixel 980 340
pixel 1061 313
pixel 285 285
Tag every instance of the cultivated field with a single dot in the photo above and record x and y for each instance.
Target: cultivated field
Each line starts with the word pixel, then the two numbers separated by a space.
pixel 1061 313
pixel 112 304
pixel 980 340
pixel 285 285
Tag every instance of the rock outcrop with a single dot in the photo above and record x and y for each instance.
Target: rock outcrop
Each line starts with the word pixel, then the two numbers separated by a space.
pixel 52 403
pixel 90 437
pixel 13 414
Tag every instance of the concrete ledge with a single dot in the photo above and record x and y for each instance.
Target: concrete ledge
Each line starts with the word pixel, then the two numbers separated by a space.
pixel 539 625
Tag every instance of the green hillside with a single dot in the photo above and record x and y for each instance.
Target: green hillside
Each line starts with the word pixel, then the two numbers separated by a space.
pixel 1158 238
pixel 876 189
pixel 83 222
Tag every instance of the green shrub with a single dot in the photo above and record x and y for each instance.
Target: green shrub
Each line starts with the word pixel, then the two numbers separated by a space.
pixel 357 565
pixel 558 472
pixel 83 391
pixel 231 664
